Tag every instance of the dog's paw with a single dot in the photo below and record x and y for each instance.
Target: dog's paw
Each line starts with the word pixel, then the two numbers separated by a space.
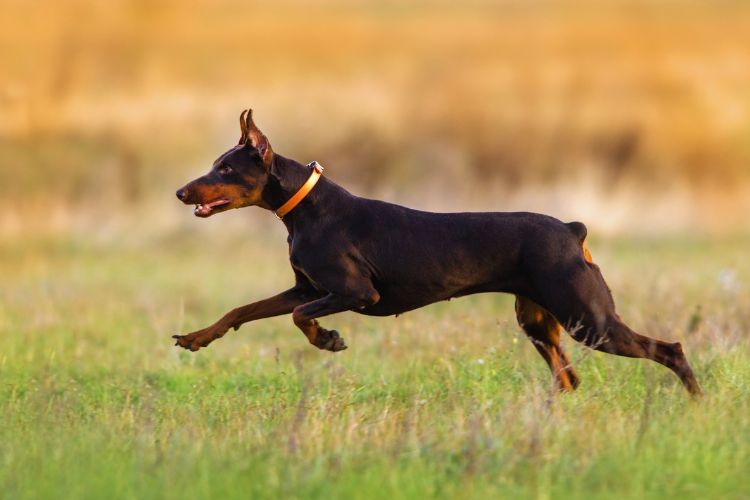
pixel 186 342
pixel 196 340
pixel 334 342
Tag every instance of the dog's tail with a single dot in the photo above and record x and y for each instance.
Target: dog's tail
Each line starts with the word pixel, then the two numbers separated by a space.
pixel 579 231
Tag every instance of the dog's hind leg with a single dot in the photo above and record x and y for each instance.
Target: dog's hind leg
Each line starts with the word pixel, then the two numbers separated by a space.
pixel 580 299
pixel 621 340
pixel 544 332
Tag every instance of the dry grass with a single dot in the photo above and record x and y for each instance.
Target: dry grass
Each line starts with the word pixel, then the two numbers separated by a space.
pixel 637 111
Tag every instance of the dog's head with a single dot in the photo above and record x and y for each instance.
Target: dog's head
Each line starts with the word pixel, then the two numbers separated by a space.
pixel 237 177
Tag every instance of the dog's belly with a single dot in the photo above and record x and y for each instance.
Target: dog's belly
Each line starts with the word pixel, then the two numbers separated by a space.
pixel 397 301
pixel 386 307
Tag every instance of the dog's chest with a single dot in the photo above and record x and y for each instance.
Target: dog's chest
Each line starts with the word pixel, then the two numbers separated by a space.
pixel 297 264
pixel 300 269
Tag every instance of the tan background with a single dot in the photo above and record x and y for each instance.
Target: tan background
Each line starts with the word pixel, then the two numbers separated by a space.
pixel 632 117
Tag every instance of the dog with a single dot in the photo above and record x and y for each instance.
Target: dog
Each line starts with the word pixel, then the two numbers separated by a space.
pixel 379 259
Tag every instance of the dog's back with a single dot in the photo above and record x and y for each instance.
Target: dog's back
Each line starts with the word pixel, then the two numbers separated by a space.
pixel 415 257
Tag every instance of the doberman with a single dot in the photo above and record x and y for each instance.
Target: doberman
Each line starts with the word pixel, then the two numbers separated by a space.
pixel 376 258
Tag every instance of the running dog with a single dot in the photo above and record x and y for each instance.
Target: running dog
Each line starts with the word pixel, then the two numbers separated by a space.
pixel 372 257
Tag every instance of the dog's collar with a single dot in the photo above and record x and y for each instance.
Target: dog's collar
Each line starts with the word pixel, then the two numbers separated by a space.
pixel 317 171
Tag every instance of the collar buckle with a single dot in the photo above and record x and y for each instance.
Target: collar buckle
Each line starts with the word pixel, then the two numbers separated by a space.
pixel 316 166
pixel 317 171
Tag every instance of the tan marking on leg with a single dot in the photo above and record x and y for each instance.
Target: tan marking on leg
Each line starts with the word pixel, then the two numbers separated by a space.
pixel 544 332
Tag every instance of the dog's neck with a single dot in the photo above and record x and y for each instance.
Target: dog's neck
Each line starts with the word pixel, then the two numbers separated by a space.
pixel 286 177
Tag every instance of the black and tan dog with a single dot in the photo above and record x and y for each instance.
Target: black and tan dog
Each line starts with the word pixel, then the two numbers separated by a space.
pixel 376 258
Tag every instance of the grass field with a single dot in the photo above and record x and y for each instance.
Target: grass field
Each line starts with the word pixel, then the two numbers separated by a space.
pixel 450 401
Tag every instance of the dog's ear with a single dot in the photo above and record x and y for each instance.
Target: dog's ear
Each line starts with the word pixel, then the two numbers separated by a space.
pixel 243 128
pixel 252 135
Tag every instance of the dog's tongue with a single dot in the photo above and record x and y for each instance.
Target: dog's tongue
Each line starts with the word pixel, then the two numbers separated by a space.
pixel 208 207
pixel 202 210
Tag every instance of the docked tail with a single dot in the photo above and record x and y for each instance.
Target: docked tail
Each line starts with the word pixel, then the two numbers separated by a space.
pixel 580 232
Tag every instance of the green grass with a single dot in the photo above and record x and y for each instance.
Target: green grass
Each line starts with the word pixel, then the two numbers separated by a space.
pixel 449 401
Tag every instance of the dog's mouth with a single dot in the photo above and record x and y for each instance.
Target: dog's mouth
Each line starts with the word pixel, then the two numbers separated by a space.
pixel 207 209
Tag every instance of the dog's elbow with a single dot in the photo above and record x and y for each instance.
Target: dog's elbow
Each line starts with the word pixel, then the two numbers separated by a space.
pixel 370 298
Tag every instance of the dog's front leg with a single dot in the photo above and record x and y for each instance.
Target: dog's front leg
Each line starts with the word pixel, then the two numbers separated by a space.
pixel 329 340
pixel 283 303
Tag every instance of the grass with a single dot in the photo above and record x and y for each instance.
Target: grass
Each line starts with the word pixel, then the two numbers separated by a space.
pixel 448 401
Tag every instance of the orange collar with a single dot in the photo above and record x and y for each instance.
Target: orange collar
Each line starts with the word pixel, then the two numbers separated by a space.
pixel 287 207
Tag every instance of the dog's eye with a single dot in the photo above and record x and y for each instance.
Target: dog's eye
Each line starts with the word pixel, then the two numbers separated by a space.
pixel 224 170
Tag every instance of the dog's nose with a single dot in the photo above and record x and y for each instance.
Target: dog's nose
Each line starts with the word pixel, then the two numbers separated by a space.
pixel 181 194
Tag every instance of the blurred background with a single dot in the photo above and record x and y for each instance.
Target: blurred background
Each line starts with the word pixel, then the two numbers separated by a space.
pixel 632 116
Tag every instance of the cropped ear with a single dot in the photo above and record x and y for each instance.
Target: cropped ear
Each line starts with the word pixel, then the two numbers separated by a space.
pixel 243 128
pixel 256 139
